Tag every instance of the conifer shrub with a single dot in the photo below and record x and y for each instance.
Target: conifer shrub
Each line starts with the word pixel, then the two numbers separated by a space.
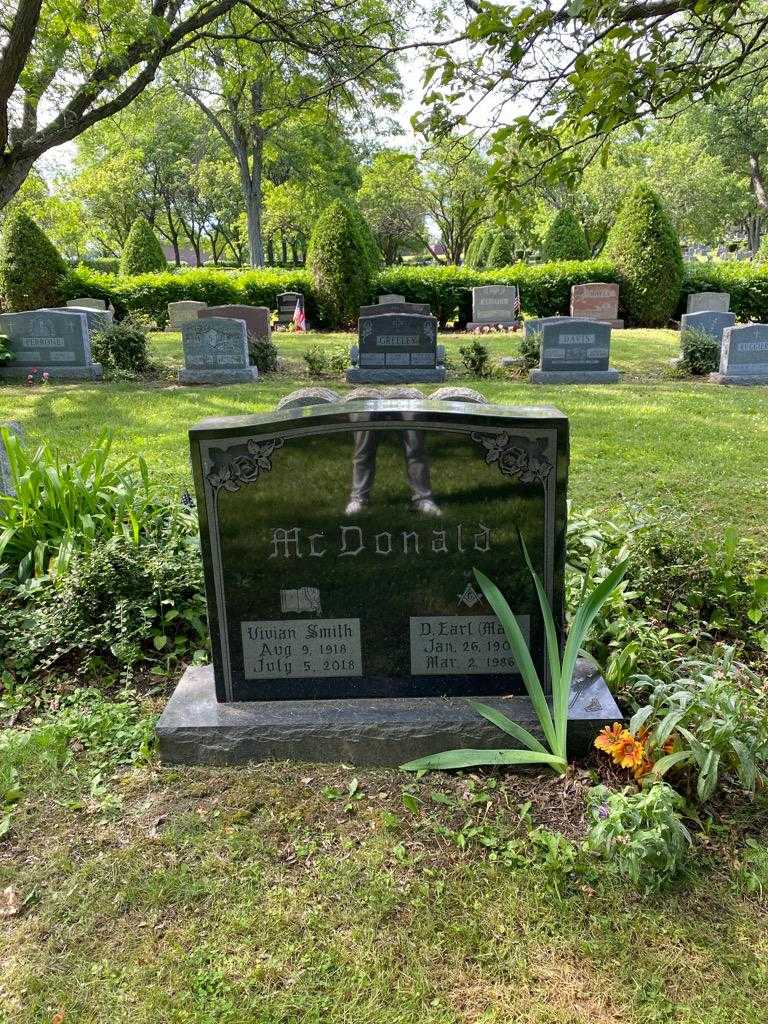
pixel 645 251
pixel 477 247
pixel 339 261
pixel 501 253
pixel 142 253
pixel 565 239
pixel 32 273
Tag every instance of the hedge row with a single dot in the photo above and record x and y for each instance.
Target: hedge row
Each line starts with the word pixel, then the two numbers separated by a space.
pixel 545 288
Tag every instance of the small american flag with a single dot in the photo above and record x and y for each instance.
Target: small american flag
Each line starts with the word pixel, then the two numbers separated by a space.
pixel 516 303
pixel 299 320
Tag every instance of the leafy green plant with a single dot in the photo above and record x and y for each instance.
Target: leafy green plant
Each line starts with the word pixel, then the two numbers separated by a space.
pixel 700 352
pixel 641 833
pixel 565 239
pixel 645 251
pixel 142 252
pixel 715 717
pixel 61 507
pixel 318 362
pixel 262 353
pixel 475 358
pixel 123 345
pixel 554 722
pixel 32 273
pixel 530 348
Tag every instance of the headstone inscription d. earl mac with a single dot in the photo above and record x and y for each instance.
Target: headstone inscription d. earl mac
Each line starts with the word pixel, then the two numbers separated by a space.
pixel 743 355
pixel 396 348
pixel 574 352
pixel 216 352
pixel 54 341
pixel 341 636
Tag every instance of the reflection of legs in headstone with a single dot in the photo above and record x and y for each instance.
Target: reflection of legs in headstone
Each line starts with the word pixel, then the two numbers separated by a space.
pixel 417 468
pixel 363 470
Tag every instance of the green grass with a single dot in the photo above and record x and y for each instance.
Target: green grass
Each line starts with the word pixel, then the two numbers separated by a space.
pixel 688 444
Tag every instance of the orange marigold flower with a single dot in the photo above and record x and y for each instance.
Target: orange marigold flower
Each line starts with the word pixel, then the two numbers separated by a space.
pixel 628 753
pixel 609 737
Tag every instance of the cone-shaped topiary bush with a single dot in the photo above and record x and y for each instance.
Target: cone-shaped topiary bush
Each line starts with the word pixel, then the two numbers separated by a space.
pixel 477 247
pixel 32 272
pixel 565 239
pixel 339 261
pixel 485 246
pixel 502 252
pixel 644 248
pixel 142 253
pixel 366 237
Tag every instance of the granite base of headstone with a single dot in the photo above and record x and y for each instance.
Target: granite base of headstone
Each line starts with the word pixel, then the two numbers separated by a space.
pixel 338 545
pixel 216 352
pixel 182 312
pixel 494 305
pixel 575 352
pixel 708 302
pixel 397 348
pixel 55 342
pixel 6 479
pixel 743 356
pixel 597 300
pixel 195 729
pixel 257 319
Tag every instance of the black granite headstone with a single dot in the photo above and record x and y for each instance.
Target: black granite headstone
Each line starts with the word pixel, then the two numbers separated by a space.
pixel 396 348
pixel 309 599
pixel 286 306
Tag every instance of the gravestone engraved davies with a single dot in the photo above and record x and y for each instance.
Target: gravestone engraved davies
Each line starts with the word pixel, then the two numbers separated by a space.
pixel 182 312
pixel 345 636
pixel 597 300
pixel 216 352
pixel 711 323
pixel 385 308
pixel 54 341
pixel 396 347
pixel 743 355
pixel 495 305
pixel 574 352
pixel 708 302
pixel 257 319
pixel 286 306
pixel 86 302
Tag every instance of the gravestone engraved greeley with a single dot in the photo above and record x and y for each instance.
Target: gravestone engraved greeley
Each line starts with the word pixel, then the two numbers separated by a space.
pixel 339 636
pixel 216 352
pixel 56 342
pixel 397 348
pixel 743 355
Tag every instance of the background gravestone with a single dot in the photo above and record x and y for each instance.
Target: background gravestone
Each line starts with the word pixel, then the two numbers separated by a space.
pixel 385 308
pixel 216 352
pixel 575 352
pixel 708 302
pixel 743 355
pixel 257 319
pixel 389 299
pixel 182 312
pixel 494 305
pixel 286 306
pixel 310 605
pixel 710 323
pixel 98 319
pixel 6 482
pixel 596 300
pixel 86 302
pixel 396 348
pixel 55 341
pixel 536 324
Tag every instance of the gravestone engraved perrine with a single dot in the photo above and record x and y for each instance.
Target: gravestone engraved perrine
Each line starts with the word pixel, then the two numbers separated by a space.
pixel 709 322
pixel 55 341
pixel 216 352
pixel 575 352
pixel 286 306
pixel 309 601
pixel 597 300
pixel 182 312
pixel 397 348
pixel 494 304
pixel 257 319
pixel 87 302
pixel 743 355
pixel 708 302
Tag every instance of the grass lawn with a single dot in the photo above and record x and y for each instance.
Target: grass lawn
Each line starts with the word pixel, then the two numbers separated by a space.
pixel 691 445
pixel 305 894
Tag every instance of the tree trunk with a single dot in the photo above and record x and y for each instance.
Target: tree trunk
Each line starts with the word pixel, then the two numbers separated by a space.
pixel 270 252
pixel 284 249
pixel 757 182
pixel 13 174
